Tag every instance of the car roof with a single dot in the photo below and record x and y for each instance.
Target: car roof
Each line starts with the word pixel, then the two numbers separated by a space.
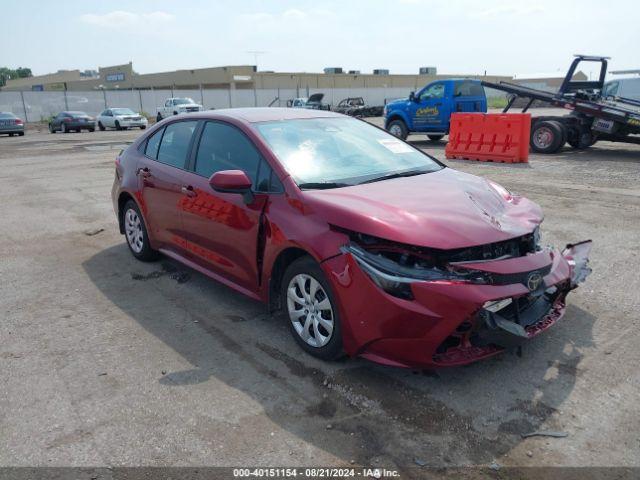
pixel 269 114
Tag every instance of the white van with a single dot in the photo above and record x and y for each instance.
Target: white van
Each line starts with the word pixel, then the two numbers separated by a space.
pixel 623 87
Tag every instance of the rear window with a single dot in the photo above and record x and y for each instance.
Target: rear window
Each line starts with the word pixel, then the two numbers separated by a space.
pixel 76 114
pixel 7 115
pixel 468 89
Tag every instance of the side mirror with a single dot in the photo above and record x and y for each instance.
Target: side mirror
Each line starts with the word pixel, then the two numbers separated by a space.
pixel 412 96
pixel 232 181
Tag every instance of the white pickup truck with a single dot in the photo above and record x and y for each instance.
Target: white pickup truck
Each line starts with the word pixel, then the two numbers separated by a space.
pixel 174 106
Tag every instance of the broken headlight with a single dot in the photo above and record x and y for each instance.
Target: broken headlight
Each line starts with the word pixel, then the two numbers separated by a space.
pixel 395 276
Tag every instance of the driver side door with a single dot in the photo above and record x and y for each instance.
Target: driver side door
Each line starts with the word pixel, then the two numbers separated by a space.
pixel 221 228
pixel 431 112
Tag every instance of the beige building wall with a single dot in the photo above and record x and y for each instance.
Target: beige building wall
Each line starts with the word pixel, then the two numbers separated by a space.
pixel 120 77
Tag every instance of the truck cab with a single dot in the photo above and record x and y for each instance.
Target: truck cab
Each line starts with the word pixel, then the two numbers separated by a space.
pixel 429 110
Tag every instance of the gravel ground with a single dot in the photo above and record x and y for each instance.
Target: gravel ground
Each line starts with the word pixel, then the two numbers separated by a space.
pixel 109 361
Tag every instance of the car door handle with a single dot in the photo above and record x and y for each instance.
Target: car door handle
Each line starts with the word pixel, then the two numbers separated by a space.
pixel 144 172
pixel 188 191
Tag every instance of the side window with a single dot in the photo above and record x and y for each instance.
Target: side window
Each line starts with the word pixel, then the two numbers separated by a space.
pixel 223 147
pixel 434 91
pixel 175 143
pixel 468 89
pixel 267 180
pixel 151 150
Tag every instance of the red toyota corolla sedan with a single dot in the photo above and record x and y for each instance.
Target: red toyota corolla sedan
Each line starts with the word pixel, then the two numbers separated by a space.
pixel 372 247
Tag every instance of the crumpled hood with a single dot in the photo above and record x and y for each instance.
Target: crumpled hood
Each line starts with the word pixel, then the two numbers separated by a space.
pixel 316 98
pixel 446 209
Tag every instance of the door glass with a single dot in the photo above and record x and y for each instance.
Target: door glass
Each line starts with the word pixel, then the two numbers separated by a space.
pixel 434 91
pixel 153 143
pixel 175 143
pixel 223 147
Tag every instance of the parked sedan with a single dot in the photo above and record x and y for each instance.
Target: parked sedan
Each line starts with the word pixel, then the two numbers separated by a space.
pixel 121 118
pixel 10 124
pixel 72 121
pixel 370 246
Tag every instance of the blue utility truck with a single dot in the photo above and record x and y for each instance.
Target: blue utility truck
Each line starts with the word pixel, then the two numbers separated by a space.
pixel 429 110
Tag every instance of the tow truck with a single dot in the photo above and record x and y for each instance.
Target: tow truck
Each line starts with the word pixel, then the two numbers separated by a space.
pixel 594 115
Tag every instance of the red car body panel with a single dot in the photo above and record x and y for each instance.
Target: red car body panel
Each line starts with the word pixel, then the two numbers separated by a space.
pixel 239 244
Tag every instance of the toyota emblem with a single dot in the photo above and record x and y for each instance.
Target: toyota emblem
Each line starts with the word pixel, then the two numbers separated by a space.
pixel 533 281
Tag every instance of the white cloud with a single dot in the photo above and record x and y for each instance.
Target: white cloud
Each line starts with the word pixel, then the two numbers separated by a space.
pixel 123 19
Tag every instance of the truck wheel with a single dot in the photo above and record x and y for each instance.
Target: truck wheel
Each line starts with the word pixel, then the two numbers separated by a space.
pixel 158 117
pixel 547 136
pixel 583 140
pixel 398 129
pixel 435 138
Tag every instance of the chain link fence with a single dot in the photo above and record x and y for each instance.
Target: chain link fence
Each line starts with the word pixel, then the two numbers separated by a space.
pixel 40 106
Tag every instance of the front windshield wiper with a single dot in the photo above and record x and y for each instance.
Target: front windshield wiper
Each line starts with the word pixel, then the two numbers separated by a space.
pixel 410 173
pixel 323 185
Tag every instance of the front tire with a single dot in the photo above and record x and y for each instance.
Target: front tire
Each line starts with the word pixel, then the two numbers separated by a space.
pixel 398 129
pixel 51 129
pixel 101 127
pixel 158 117
pixel 118 127
pixel 435 138
pixel 135 232
pixel 547 136
pixel 311 309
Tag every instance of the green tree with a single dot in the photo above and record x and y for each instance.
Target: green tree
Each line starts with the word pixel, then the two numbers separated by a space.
pixel 7 73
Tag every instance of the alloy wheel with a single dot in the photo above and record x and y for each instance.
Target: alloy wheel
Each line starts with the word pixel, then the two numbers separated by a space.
pixel 310 310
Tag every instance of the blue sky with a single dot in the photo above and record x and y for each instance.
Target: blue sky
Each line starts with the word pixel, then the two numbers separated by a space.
pixel 464 36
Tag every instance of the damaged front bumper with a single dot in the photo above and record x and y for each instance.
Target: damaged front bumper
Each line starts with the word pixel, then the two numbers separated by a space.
pixel 449 321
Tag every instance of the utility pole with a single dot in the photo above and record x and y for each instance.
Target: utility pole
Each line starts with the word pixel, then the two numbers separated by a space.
pixel 255 54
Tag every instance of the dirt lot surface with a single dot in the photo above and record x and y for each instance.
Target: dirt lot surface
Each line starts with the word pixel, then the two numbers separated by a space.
pixel 109 361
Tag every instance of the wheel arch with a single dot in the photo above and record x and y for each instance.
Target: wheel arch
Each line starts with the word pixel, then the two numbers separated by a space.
pixel 397 116
pixel 123 198
pixel 284 258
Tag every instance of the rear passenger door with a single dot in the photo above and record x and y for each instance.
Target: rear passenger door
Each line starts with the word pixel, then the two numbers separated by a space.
pixel 161 175
pixel 221 229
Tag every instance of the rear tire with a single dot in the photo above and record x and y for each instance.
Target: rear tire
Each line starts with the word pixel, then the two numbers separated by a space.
pixel 583 140
pixel 311 309
pixel 398 129
pixel 92 129
pixel 135 233
pixel 435 138
pixel 118 127
pixel 547 136
pixel 101 127
pixel 51 129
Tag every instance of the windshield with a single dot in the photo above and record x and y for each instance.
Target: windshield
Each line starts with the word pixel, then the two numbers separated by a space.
pixel 122 111
pixel 341 151
pixel 182 101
